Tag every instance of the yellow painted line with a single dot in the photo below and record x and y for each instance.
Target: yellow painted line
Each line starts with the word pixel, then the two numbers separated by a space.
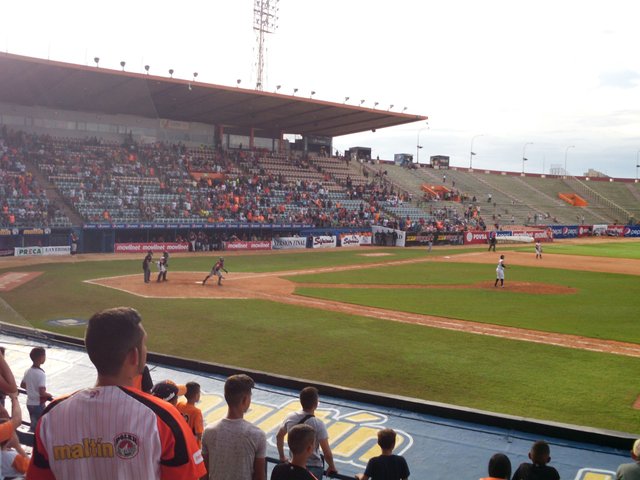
pixel 274 421
pixel 374 451
pixel 208 401
pixel 338 430
pixel 596 476
pixel 216 414
pixel 355 441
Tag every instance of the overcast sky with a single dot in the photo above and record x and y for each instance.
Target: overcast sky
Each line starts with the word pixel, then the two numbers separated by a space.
pixel 555 73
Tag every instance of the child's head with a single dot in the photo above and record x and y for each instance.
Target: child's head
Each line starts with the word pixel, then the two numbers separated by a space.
pixel 193 392
pixel 540 453
pixel 500 466
pixel 635 451
pixel 309 398
pixel 300 437
pixel 38 355
pixel 387 439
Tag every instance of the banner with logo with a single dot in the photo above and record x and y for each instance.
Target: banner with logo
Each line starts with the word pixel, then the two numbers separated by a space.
pixel 537 235
pixel 41 251
pixel 9 231
pixel 632 231
pixel 599 229
pixel 436 238
pixel 475 237
pixel 153 246
pixel 324 241
pixel 565 231
pixel 355 239
pixel 615 230
pixel 260 245
pixel 289 243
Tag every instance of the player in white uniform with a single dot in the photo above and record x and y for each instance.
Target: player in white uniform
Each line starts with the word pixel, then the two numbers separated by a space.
pixel 538 250
pixel 500 272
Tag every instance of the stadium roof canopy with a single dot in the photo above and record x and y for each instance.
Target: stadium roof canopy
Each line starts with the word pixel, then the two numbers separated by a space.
pixel 57 85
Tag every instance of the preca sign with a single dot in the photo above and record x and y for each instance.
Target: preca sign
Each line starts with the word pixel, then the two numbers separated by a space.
pixel 324 241
pixel 289 243
pixel 153 246
pixel 262 245
pixel 41 251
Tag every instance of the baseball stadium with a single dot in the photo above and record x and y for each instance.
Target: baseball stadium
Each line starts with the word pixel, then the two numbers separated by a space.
pixel 372 279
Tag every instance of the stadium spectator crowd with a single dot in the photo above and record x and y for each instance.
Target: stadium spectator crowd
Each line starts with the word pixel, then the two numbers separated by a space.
pixel 126 182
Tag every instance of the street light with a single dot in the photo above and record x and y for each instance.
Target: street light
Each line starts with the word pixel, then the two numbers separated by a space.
pixel 471 152
pixel 418 146
pixel 565 158
pixel 524 159
pixel 637 164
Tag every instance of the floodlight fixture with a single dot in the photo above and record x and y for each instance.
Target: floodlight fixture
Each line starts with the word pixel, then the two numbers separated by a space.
pixel 147 67
pixel 171 72
pixel 97 60
pixel 122 64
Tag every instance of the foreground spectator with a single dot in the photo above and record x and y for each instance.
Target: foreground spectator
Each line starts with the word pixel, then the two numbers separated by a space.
pixel 309 399
pixel 123 433
pixel 386 466
pixel 631 471
pixel 499 468
pixel 191 413
pixel 8 385
pixel 34 382
pixel 14 459
pixel 302 443
pixel 232 447
pixel 538 468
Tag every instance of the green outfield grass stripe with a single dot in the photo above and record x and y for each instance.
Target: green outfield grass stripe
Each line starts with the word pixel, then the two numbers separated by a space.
pixel 613 250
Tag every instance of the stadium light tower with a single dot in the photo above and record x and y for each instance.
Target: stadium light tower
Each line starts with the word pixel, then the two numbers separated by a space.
pixel 637 164
pixel 565 158
pixel 524 158
pixel 418 146
pixel 265 20
pixel 471 152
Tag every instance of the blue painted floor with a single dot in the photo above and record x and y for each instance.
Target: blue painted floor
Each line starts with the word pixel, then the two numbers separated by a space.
pixel 435 448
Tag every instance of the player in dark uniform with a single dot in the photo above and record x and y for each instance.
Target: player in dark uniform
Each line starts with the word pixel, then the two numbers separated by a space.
pixel 216 271
pixel 146 266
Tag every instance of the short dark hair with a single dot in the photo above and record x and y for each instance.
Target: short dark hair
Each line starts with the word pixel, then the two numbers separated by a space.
pixel 110 336
pixel 309 398
pixel 500 466
pixel 236 387
pixel 300 437
pixel 36 353
pixel 387 438
pixel 540 452
pixel 193 389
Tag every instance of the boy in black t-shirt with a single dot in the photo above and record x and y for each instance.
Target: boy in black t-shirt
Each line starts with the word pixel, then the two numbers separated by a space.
pixel 387 466
pixel 302 442
pixel 538 469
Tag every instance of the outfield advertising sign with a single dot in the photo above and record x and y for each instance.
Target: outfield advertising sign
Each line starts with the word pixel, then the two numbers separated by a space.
pixel 261 245
pixel 475 237
pixel 565 231
pixel 632 231
pixel 355 239
pixel 152 246
pixel 41 251
pixel 289 243
pixel 436 238
pixel 324 241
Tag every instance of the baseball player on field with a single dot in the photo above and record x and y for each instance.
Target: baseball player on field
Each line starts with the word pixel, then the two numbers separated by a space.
pixel 500 272
pixel 538 250
pixel 216 271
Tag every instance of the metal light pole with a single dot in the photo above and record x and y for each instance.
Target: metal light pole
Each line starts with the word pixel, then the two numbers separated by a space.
pixel 471 152
pixel 637 164
pixel 418 146
pixel 524 159
pixel 565 158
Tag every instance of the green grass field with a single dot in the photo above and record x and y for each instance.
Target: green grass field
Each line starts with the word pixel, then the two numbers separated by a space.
pixel 608 249
pixel 507 376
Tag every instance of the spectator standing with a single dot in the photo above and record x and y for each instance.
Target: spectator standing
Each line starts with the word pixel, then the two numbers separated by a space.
pixel 35 383
pixel 499 468
pixel 124 433
pixel 386 466
pixel 630 471
pixel 309 399
pixel 191 413
pixel 302 442
pixel 538 468
pixel 232 447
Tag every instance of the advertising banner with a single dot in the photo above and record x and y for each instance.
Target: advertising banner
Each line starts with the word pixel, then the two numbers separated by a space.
pixel 537 235
pixel 615 230
pixel 565 231
pixel 349 240
pixel 324 241
pixel 153 246
pixel 436 238
pixel 475 237
pixel 599 229
pixel 261 245
pixel 632 231
pixel 41 251
pixel 289 243
pixel 8 231
pixel 584 231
